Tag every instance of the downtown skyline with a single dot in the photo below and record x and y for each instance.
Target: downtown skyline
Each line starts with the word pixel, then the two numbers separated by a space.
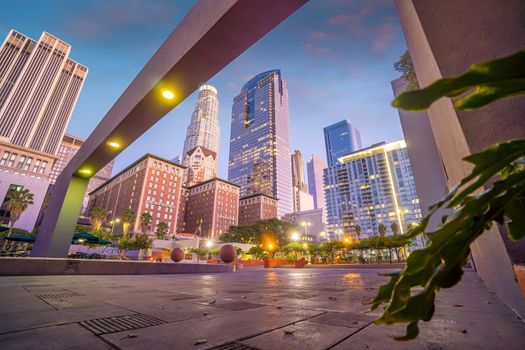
pixel 309 41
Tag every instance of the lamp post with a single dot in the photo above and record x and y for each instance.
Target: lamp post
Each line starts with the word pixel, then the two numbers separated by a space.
pixel 306 225
pixel 113 222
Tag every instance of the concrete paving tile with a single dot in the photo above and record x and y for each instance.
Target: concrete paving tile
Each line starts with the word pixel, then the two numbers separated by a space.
pixel 15 321
pixel 436 335
pixel 333 305
pixel 344 319
pixel 22 303
pixel 301 335
pixel 70 337
pixel 216 329
pixel 168 310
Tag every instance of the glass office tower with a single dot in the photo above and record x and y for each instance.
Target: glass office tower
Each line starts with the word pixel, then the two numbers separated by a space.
pixel 260 140
pixel 341 138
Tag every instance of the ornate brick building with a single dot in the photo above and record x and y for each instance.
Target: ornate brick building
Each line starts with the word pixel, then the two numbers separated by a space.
pixel 257 207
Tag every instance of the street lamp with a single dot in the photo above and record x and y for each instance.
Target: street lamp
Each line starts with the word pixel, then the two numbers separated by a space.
pixel 306 225
pixel 116 221
pixel 295 236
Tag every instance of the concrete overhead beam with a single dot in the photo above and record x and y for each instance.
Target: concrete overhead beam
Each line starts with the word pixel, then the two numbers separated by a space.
pixel 212 35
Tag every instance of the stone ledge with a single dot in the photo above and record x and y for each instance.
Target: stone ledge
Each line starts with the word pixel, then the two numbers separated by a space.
pixel 54 266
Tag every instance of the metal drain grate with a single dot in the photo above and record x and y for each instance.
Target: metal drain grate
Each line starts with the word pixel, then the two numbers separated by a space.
pixel 59 294
pixel 238 305
pixel 120 323
pixel 343 319
pixel 233 346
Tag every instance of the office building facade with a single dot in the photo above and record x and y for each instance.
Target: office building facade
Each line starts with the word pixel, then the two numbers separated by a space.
pixel 315 170
pixel 340 139
pixel 39 87
pixel 370 187
pixel 302 200
pixel 259 158
pixel 310 224
pixel 23 168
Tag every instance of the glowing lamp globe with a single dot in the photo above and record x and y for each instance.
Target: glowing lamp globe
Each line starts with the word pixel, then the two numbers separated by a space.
pixel 177 254
pixel 228 253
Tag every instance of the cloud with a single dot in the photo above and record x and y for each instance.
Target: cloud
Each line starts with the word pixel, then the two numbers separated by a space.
pixel 385 35
pixel 109 18
pixel 372 21
pixel 318 50
pixel 356 22
pixel 316 34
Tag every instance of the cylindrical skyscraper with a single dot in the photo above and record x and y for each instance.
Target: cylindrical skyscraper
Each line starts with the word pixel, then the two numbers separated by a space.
pixel 204 128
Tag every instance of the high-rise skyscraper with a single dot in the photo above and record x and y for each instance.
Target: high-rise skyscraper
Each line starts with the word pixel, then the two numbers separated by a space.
pixel 315 168
pixel 341 138
pixel 298 178
pixel 39 87
pixel 204 128
pixel 260 140
pixel 302 200
pixel 370 187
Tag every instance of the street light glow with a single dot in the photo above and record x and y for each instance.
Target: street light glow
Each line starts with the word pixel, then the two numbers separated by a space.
pixel 114 144
pixel 295 236
pixel 168 95
pixel 209 244
pixel 85 171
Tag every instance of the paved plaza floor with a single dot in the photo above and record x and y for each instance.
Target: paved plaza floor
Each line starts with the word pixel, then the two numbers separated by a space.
pixel 252 309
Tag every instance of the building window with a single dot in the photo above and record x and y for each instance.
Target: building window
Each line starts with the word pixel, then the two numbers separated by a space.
pixel 4 158
pixel 21 162
pixel 11 160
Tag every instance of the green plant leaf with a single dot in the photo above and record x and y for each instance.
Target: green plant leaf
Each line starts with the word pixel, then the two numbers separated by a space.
pixel 515 211
pixel 493 80
pixel 411 333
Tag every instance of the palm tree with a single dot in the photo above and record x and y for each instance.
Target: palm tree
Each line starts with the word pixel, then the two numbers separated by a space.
pixel 162 230
pixel 128 218
pixel 358 231
pixel 382 230
pixel 19 200
pixel 395 228
pixel 145 222
pixel 97 218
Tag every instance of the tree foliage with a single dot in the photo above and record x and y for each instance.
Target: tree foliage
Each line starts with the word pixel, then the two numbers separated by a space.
pixel 274 230
pixel 257 251
pixel 405 66
pixel 477 203
pixel 128 219
pixel 19 200
pixel 97 218
pixel 294 249
pixel 145 222
pixel 162 230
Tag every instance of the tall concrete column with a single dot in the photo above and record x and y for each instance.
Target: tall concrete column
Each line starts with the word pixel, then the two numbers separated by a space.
pixel 444 37
pixel 65 205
